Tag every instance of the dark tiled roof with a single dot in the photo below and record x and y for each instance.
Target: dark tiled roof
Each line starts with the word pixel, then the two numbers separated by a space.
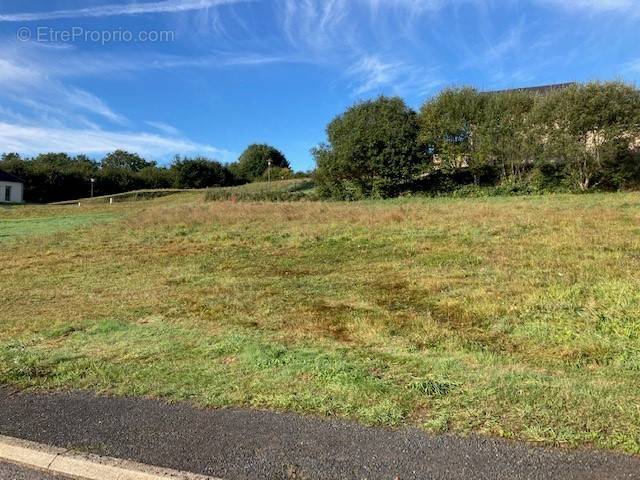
pixel 538 89
pixel 7 177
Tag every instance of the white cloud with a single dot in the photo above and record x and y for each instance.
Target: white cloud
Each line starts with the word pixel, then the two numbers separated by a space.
pixel 41 113
pixel 89 102
pixel 372 74
pixel 164 128
pixel 166 6
pixel 28 82
pixel 32 139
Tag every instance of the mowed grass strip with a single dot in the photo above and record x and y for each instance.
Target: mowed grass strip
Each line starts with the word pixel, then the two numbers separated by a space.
pixel 15 224
pixel 517 317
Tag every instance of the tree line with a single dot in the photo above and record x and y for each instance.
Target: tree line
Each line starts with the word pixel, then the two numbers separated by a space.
pixel 579 137
pixel 52 177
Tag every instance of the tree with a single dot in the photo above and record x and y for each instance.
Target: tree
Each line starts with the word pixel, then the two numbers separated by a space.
pixel 122 159
pixel 449 126
pixel 157 177
pixel 503 139
pixel 254 161
pixel 372 150
pixel 200 172
pixel 589 129
pixel 13 163
pixel 57 176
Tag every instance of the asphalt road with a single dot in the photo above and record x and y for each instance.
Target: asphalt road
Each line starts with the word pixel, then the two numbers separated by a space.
pixel 14 472
pixel 244 444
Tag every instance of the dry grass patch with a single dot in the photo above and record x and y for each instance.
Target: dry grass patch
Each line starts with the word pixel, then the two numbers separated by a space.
pixel 517 317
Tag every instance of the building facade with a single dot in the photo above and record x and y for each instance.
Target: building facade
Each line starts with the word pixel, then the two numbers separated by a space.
pixel 11 188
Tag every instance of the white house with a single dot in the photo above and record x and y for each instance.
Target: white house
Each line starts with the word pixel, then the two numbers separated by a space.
pixel 11 188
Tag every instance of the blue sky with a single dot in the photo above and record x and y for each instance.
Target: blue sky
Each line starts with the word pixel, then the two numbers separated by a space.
pixel 212 76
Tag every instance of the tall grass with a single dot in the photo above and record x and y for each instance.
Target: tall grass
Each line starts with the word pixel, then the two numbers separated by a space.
pixel 283 190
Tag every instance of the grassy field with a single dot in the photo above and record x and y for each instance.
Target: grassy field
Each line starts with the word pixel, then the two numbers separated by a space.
pixel 284 190
pixel 516 317
pixel 134 195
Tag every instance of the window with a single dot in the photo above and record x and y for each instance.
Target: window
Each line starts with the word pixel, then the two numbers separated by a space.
pixel 7 194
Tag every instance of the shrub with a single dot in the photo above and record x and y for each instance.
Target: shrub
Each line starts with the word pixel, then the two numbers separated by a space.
pixel 276 174
pixel 372 150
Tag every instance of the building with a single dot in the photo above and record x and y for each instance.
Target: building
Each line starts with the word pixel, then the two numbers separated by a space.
pixel 11 188
pixel 539 90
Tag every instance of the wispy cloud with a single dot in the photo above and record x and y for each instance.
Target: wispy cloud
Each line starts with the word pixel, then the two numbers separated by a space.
pixel 164 128
pixel 41 113
pixel 28 83
pixel 31 139
pixel 593 5
pixel 166 6
pixel 89 102
pixel 373 75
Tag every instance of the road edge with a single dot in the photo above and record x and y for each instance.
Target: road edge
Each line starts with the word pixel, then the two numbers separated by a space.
pixel 59 461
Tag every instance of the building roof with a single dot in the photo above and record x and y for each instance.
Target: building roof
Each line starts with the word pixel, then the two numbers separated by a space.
pixel 539 89
pixel 7 177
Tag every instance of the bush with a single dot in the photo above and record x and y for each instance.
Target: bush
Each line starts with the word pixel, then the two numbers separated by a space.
pixel 620 167
pixel 372 151
pixel 550 177
pixel 276 174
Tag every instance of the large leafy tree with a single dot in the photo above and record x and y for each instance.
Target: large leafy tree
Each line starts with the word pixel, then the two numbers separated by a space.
pixel 589 129
pixel 503 139
pixel 254 161
pixel 372 150
pixel 449 126
pixel 121 159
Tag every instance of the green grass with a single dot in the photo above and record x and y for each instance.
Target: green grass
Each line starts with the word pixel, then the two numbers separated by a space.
pixel 515 317
pixel 132 196
pixel 12 228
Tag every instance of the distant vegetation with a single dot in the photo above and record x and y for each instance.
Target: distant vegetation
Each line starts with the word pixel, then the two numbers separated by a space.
pixel 55 177
pixel 581 137
pixel 462 142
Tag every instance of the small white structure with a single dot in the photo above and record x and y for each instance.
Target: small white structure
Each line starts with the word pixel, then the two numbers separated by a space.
pixel 11 188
